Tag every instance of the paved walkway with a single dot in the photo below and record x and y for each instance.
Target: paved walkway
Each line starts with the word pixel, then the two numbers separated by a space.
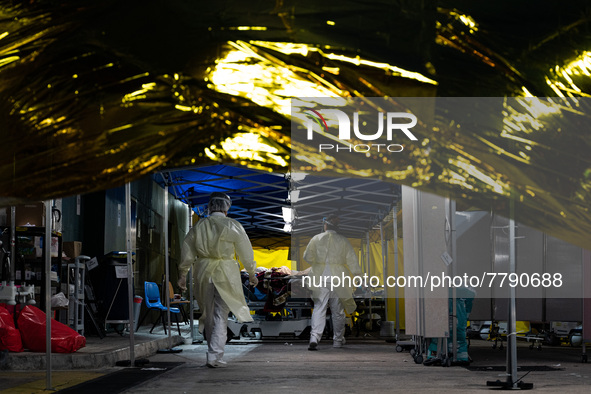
pixel 364 365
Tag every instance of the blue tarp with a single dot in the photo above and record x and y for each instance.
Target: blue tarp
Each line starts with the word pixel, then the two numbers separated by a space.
pixel 258 199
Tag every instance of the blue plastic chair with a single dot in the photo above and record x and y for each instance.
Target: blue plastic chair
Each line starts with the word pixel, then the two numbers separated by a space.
pixel 152 298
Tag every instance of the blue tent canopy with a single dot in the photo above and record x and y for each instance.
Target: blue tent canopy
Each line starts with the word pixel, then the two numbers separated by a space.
pixel 262 201
pixel 257 197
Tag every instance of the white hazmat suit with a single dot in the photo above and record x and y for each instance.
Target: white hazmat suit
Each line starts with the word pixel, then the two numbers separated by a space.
pixel 211 246
pixel 330 254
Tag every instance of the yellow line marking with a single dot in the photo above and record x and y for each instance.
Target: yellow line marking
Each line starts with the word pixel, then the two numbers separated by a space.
pixel 35 382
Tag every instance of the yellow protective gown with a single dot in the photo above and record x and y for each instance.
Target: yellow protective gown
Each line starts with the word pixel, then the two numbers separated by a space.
pixel 211 246
pixel 331 254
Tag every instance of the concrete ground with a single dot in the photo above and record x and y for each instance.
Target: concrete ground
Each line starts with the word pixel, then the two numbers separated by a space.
pixel 364 365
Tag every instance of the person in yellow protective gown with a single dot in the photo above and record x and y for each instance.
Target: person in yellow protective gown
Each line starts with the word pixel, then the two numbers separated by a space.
pixel 330 255
pixel 210 246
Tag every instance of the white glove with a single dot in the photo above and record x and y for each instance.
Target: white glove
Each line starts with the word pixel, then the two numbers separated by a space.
pixel 252 280
pixel 182 283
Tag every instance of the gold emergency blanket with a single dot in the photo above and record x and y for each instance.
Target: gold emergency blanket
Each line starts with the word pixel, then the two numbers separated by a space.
pixel 96 94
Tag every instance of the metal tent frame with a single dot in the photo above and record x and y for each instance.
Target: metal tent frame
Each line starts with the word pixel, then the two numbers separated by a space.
pixel 259 198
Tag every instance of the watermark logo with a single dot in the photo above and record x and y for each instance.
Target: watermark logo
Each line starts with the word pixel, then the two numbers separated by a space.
pixel 390 125
pixel 317 118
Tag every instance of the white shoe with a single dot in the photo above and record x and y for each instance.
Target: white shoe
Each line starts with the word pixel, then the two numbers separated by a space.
pixel 313 345
pixel 338 343
pixel 217 364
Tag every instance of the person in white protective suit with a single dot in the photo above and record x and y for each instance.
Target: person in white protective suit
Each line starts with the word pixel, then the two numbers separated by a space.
pixel 211 246
pixel 330 255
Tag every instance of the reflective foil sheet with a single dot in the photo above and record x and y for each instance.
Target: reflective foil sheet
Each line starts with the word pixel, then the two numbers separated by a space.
pixel 96 94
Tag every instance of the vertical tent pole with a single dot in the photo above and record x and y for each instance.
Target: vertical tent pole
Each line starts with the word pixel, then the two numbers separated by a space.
pixel 189 282
pixel 545 269
pixel 452 246
pixel 47 252
pixel 384 268
pixel 167 276
pixel 369 275
pixel 512 325
pixel 454 257
pixel 166 263
pixel 12 242
pixel 368 258
pixel 129 274
pixel 418 246
pixel 395 236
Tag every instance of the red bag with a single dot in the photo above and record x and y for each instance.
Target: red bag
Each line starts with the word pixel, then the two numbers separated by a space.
pixel 10 337
pixel 31 324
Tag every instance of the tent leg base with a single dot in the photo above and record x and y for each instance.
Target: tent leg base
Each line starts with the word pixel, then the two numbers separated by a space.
pixel 509 386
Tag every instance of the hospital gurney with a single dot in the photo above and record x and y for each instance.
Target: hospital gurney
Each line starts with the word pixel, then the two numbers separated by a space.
pixel 278 307
pixel 568 333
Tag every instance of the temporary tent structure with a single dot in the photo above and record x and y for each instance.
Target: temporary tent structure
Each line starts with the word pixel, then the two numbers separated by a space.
pixel 96 94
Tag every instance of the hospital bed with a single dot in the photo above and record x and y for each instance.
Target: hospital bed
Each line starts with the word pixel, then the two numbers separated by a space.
pixel 569 333
pixel 280 307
